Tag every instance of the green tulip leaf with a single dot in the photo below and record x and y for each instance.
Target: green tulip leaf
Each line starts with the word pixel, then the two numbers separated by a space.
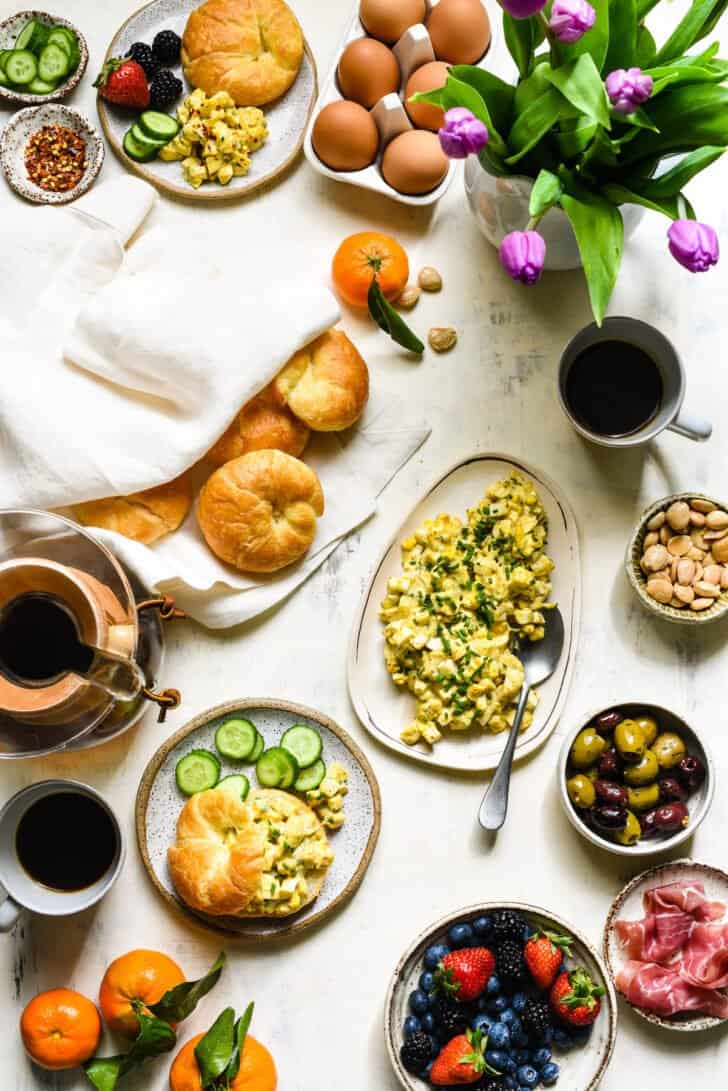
pixel 599 235
pixel 457 93
pixel 687 117
pixel 621 195
pixel 646 47
pixel 639 119
pixel 580 83
pixel 595 42
pixel 622 47
pixel 698 21
pixel 179 1003
pixel 673 181
pixel 215 1050
pixel 523 36
pixel 497 95
pixel 575 136
pixel 535 122
pixel 545 193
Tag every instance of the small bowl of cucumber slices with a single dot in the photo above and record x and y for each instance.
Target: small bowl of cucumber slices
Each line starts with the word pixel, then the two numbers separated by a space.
pixel 42 58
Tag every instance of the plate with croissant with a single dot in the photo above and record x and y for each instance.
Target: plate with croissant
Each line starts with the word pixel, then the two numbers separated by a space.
pixel 236 844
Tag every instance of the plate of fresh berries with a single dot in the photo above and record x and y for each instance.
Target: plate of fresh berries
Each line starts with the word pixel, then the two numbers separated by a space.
pixel 501 997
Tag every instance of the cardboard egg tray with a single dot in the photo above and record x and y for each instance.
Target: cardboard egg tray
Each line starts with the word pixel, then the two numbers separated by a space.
pixel 412 50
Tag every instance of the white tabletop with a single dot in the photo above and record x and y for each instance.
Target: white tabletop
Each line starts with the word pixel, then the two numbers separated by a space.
pixel 319 1000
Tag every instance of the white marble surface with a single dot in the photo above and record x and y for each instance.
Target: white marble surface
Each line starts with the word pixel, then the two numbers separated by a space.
pixel 319 1000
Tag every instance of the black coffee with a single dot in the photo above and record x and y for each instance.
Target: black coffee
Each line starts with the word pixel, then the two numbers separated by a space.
pixel 66 841
pixel 39 639
pixel 613 388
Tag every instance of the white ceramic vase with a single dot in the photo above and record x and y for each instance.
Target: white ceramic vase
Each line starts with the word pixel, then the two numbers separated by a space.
pixel 500 205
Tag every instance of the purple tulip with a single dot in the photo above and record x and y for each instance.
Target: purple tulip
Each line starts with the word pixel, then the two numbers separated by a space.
pixel 462 134
pixel 693 244
pixel 628 88
pixel 522 254
pixel 570 19
pixel 522 9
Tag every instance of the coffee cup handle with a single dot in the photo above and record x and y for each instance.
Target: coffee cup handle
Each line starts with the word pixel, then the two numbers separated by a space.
pixel 691 427
pixel 9 913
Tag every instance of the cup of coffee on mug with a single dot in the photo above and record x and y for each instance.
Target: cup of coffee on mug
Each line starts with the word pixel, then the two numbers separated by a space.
pixel 61 850
pixel 622 383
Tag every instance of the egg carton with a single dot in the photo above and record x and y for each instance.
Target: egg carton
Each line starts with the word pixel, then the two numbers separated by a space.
pixel 412 50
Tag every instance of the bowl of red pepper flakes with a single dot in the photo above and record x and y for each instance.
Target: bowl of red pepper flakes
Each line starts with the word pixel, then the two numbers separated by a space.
pixel 50 154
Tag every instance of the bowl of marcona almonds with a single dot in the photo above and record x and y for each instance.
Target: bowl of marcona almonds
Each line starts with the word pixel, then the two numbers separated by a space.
pixel 677 559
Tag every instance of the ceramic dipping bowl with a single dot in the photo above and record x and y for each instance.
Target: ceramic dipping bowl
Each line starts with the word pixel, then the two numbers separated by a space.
pixel 9 31
pixel 18 132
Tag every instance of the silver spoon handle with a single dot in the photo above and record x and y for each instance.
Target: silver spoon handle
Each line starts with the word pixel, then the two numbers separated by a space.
pixel 493 809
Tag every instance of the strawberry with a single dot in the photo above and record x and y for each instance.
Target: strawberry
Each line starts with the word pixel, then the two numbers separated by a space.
pixel 461 1061
pixel 544 954
pixel 464 974
pixel 575 998
pixel 123 82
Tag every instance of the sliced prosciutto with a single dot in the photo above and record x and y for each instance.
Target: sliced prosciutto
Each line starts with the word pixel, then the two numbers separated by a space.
pixel 686 897
pixel 656 937
pixel 704 962
pixel 662 990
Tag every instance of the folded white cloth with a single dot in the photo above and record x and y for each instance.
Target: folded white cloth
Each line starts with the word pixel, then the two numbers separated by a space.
pixel 123 368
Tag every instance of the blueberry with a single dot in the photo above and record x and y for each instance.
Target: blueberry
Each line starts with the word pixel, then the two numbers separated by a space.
pixel 562 1038
pixel 412 1025
pixel 521 1056
pixel 519 1039
pixel 527 1075
pixel 582 1034
pixel 550 1074
pixel 542 1056
pixel 434 954
pixel 482 926
pixel 493 986
pixel 428 1022
pixel 483 1023
pixel 419 1002
pixel 519 1001
pixel 528 931
pixel 482 1002
pixel 500 1036
pixel 508 1016
pixel 498 1004
pixel 498 1059
pixel 427 980
pixel 509 1083
pixel 461 935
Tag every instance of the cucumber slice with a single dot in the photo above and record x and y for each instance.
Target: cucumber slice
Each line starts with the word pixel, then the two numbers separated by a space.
pixel 257 749
pixel 33 36
pixel 53 63
pixel 21 67
pixel 277 768
pixel 41 87
pixel 145 141
pixel 304 743
pixel 236 739
pixel 310 778
pixel 158 126
pixel 135 151
pixel 4 54
pixel 239 785
pixel 196 772
pixel 4 81
pixel 59 37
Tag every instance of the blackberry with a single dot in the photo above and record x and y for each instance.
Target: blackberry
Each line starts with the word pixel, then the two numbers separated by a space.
pixel 507 925
pixel 509 963
pixel 489 1083
pixel 142 54
pixel 536 1019
pixel 167 47
pixel 416 1053
pixel 452 1020
pixel 164 89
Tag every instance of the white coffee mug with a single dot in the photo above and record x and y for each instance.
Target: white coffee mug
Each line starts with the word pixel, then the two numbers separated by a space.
pixel 18 889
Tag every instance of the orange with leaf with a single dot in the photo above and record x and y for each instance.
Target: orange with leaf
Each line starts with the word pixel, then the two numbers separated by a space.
pixel 362 258
pixel 226 1057
pixel 60 1029
pixel 136 977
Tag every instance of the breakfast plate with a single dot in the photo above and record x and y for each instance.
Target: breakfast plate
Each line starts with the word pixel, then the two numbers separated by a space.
pixel 385 709
pixel 581 1069
pixel 628 905
pixel 159 803
pixel 287 118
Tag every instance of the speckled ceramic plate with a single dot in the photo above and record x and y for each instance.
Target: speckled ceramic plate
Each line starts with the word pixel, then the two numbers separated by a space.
pixel 287 118
pixel 159 803
pixel 19 130
pixel 628 905
pixel 385 709
pixel 581 1069
pixel 9 31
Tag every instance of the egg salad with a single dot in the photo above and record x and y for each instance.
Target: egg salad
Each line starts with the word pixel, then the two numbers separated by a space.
pixel 467 594
pixel 328 799
pixel 296 855
pixel 216 139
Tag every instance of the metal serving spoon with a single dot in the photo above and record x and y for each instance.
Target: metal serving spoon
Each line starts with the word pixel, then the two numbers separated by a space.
pixel 540 660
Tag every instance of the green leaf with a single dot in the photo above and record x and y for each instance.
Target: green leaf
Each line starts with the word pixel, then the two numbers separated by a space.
pixel 457 93
pixel 523 36
pixel 497 95
pixel 155 1038
pixel 215 1051
pixel 673 181
pixel 595 41
pixel 644 7
pixel 697 21
pixel 622 48
pixel 639 118
pixel 545 193
pixel 389 320
pixel 599 234
pixel 673 74
pixel 580 83
pixel 575 136
pixel 532 87
pixel 621 195
pixel 533 124
pixel 104 1072
pixel 241 1030
pixel 687 117
pixel 646 47
pixel 178 1003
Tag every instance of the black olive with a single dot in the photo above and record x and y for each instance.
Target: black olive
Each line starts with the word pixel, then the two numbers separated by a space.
pixel 610 765
pixel 691 772
pixel 609 792
pixel 607 721
pixel 671 790
pixel 648 823
pixel 609 817
pixel 671 817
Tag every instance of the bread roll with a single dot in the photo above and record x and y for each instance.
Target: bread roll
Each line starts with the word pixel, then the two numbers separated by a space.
pixel 250 48
pixel 258 512
pixel 217 861
pixel 326 384
pixel 262 424
pixel 144 516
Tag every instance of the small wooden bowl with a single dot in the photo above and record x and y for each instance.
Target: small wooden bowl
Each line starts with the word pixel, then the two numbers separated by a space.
pixel 9 30
pixel 636 576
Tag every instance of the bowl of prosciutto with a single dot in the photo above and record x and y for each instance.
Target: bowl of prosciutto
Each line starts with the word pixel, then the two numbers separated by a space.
pixel 666 945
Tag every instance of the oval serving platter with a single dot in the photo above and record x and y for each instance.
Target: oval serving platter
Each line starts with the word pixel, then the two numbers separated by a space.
pixel 628 904
pixel 581 1069
pixel 159 803
pixel 385 709
pixel 287 118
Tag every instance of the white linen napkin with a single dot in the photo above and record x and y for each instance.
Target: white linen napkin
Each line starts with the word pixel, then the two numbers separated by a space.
pixel 125 367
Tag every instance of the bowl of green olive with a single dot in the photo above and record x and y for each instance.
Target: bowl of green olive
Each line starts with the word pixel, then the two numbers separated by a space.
pixel 635 779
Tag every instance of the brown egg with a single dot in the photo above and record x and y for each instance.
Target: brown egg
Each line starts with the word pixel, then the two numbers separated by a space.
pixel 414 163
pixel 388 19
pixel 427 78
pixel 345 136
pixel 367 71
pixel 460 31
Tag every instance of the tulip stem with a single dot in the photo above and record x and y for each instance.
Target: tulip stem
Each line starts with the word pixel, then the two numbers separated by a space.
pixel 555 54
